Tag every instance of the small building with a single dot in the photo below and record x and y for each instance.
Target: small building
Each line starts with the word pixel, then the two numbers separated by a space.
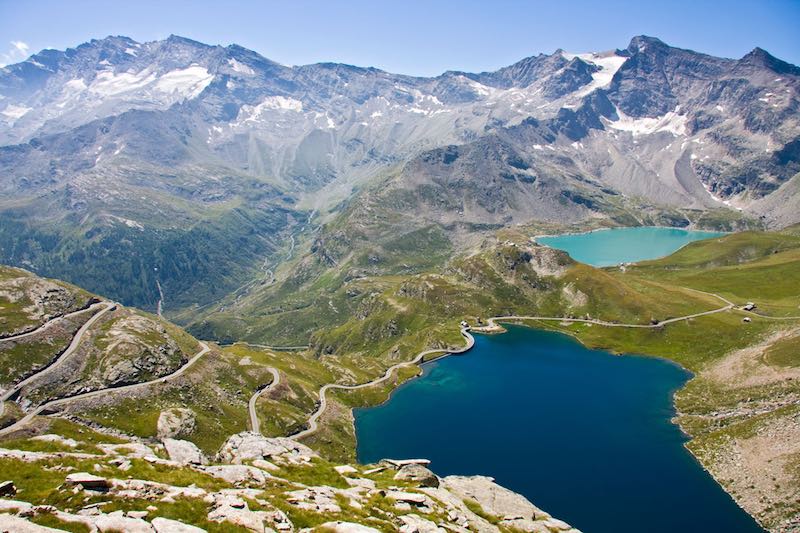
pixel 464 324
pixel 749 306
pixel 747 319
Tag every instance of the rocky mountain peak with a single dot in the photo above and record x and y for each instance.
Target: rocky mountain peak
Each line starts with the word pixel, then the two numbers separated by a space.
pixel 760 58
pixel 185 41
pixel 644 43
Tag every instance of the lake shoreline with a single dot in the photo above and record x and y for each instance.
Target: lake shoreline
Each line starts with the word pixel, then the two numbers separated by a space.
pixel 674 420
pixel 567 247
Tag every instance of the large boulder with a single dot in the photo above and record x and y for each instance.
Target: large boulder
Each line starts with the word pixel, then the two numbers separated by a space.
pixel 248 446
pixel 238 474
pixel 117 521
pixel 184 452
pixel 20 525
pixel 88 481
pixel 165 525
pixel 231 508
pixel 513 510
pixel 416 473
pixel 176 422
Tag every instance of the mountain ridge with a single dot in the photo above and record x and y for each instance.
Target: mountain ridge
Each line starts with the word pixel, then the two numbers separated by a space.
pixel 134 140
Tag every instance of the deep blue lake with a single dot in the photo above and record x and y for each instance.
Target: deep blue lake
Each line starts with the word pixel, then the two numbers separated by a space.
pixel 585 435
pixel 624 245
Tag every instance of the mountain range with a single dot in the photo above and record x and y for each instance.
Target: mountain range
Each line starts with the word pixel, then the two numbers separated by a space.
pixel 173 172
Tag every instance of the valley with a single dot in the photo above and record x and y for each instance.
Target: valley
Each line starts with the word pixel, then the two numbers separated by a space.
pixel 252 251
pixel 620 304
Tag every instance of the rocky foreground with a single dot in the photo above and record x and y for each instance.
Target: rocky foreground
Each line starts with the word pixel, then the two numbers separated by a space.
pixel 253 484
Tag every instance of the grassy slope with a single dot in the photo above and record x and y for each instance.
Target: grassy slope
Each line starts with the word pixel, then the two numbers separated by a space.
pixel 17 315
pixel 375 321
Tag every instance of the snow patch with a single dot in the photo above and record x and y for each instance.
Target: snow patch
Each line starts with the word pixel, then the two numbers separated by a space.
pixel 478 88
pixel 188 82
pixel 76 85
pixel 277 103
pixel 37 64
pixel 609 64
pixel 15 112
pixel 671 122
pixel 240 67
pixel 107 83
pixel 183 83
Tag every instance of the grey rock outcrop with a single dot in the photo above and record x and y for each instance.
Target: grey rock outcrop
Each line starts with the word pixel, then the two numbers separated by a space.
pixel 166 525
pixel 184 452
pixel 176 422
pixel 117 521
pixel 15 524
pixel 233 509
pixel 417 473
pixel 513 510
pixel 413 523
pixel 238 474
pixel 250 446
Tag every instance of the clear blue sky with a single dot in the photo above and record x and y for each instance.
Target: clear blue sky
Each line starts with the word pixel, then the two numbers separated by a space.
pixel 409 36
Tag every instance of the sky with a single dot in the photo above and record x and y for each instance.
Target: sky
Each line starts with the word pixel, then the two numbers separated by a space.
pixel 409 36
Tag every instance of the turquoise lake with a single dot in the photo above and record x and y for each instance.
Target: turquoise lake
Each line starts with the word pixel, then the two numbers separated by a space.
pixel 585 435
pixel 624 245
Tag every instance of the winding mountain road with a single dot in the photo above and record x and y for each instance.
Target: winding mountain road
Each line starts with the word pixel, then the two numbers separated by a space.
pixel 492 322
pixel 313 425
pixel 323 400
pixel 273 348
pixel 22 422
pixel 73 345
pixel 49 323
pixel 255 425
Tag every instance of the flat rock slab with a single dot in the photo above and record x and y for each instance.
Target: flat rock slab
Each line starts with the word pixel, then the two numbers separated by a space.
pixel 345 527
pixel 88 481
pixel 408 497
pixel 399 463
pixel 184 452
pixel 118 522
pixel 15 524
pixel 165 525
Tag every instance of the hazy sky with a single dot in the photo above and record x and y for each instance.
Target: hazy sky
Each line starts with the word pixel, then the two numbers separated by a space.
pixel 411 37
